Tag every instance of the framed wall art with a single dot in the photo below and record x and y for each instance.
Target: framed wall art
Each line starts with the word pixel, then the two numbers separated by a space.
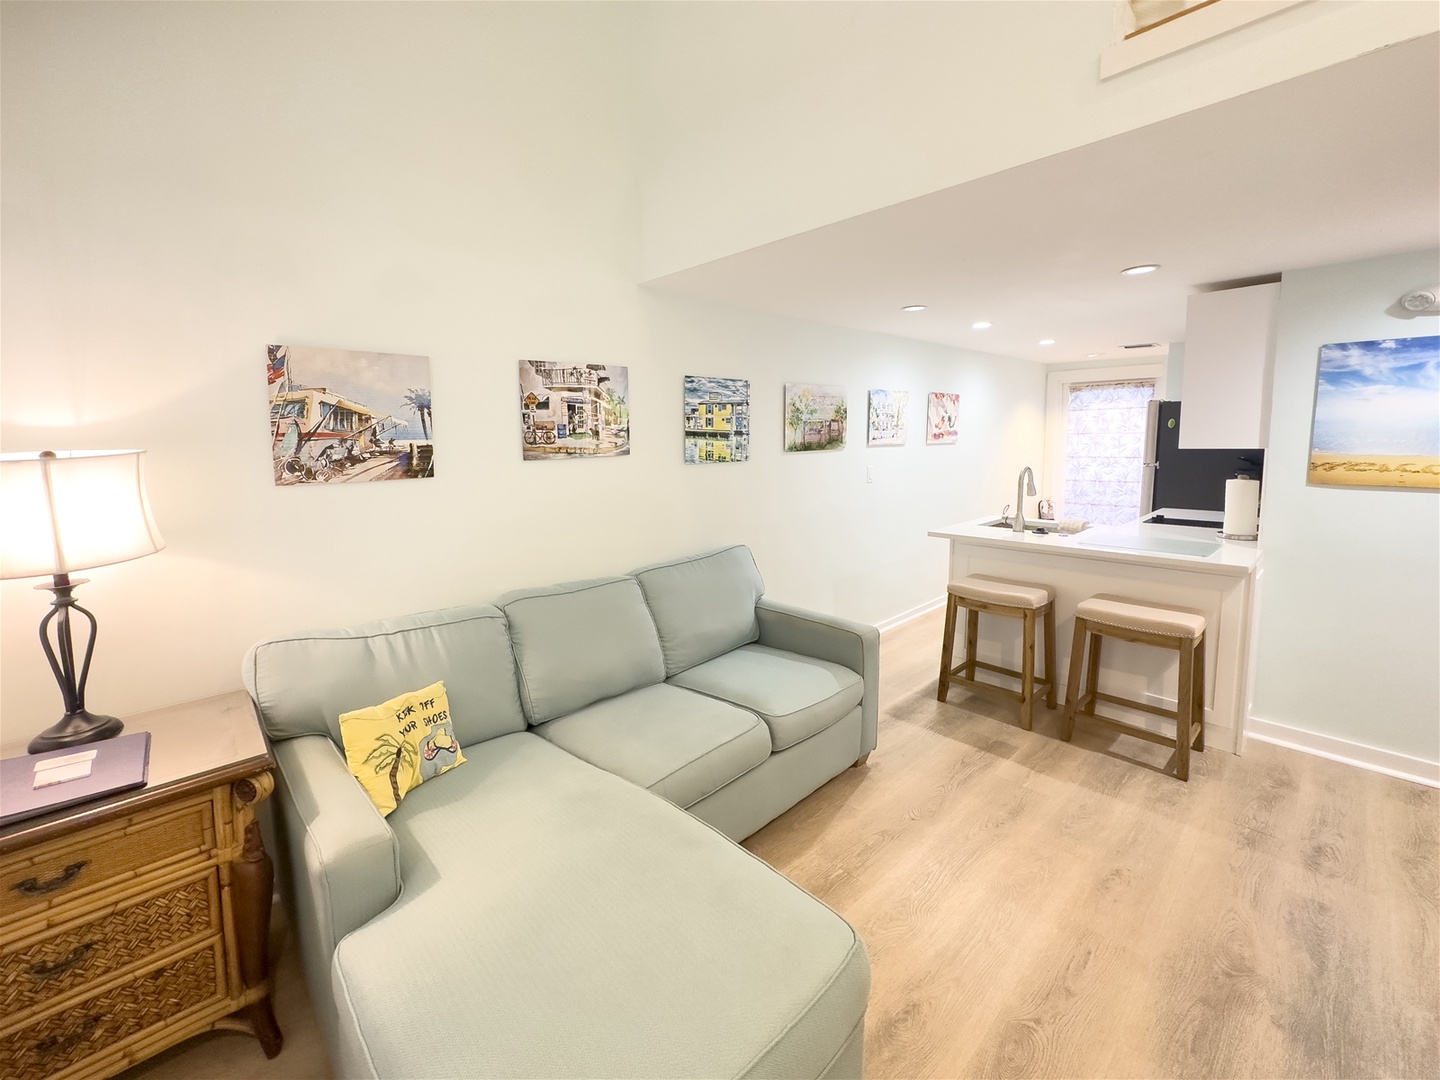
pixel 1377 414
pixel 338 416
pixel 815 417
pixel 887 422
pixel 717 420
pixel 573 410
pixel 942 418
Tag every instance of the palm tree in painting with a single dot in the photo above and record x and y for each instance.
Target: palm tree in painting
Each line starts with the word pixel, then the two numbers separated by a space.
pixel 393 753
pixel 419 401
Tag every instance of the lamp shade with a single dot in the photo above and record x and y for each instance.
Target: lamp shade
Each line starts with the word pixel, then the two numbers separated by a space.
pixel 62 511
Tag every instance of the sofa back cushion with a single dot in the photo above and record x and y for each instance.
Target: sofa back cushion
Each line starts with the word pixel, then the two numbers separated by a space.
pixel 579 643
pixel 704 605
pixel 303 682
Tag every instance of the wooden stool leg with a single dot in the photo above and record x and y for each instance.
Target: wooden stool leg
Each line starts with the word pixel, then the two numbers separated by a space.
pixel 972 641
pixel 1200 691
pixel 947 647
pixel 1027 671
pixel 1049 671
pixel 1072 684
pixel 1092 675
pixel 1185 706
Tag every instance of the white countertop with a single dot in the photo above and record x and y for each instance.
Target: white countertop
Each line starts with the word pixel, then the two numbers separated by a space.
pixel 1138 543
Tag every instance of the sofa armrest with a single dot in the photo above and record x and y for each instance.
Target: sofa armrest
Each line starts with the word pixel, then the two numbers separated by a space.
pixel 344 863
pixel 851 644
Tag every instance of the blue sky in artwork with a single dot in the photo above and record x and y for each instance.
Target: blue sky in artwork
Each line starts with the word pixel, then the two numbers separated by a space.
pixel 1379 397
pixel 708 388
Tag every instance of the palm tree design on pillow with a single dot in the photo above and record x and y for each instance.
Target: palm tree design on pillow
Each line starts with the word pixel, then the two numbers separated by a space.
pixel 393 753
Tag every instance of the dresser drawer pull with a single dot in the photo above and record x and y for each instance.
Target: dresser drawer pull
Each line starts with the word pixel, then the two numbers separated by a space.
pixel 43 970
pixel 57 1044
pixel 33 887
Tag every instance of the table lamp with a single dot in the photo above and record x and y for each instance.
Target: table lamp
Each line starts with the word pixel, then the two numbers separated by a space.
pixel 65 511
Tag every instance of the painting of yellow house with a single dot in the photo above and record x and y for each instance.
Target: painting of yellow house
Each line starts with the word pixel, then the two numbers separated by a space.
pixel 717 420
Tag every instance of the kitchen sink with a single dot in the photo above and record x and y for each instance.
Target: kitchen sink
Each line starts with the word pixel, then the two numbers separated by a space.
pixel 1030 526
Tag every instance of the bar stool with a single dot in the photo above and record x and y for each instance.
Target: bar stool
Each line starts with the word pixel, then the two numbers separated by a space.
pixel 1145 624
pixel 1021 600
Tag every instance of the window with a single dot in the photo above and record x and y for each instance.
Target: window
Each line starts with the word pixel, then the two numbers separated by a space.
pixel 1104 449
pixel 1095 441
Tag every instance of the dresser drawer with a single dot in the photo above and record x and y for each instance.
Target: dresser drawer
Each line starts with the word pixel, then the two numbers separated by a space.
pixel 58 1041
pixel 38 970
pixel 33 881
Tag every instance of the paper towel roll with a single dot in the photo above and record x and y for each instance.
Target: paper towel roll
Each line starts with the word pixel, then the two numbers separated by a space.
pixel 1242 509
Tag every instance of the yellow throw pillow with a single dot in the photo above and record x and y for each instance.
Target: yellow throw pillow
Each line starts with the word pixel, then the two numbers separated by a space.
pixel 395 747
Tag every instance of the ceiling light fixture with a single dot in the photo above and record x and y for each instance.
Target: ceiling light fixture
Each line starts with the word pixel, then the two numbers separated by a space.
pixel 1047 341
pixel 913 307
pixel 982 325
pixel 1143 268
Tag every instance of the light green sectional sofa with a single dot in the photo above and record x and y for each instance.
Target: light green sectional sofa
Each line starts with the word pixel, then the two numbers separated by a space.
pixel 549 908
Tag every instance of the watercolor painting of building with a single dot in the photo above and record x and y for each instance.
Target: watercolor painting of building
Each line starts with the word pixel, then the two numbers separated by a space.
pixel 942 419
pixel 717 420
pixel 815 417
pixel 1377 414
pixel 339 416
pixel 573 410
pixel 887 424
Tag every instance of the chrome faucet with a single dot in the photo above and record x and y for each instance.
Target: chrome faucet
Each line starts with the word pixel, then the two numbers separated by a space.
pixel 1021 490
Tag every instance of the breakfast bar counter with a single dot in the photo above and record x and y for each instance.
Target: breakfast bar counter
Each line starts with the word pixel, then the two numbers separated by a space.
pixel 1189 567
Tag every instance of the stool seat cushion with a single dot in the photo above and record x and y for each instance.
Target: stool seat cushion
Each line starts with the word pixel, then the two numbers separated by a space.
pixel 993 590
pixel 1138 615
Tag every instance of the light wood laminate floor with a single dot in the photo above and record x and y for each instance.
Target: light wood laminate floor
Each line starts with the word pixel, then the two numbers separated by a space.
pixel 1037 908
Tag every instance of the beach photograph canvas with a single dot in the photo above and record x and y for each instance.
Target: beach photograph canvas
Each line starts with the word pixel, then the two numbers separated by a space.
pixel 717 420
pixel 340 416
pixel 1377 414
pixel 573 410
pixel 942 419
pixel 887 417
pixel 815 417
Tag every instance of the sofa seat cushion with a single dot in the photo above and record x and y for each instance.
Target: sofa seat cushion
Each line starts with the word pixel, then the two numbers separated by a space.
pixel 797 696
pixel 558 921
pixel 679 744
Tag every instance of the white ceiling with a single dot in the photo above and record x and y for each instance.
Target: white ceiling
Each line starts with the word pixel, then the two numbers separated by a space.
pixel 1337 165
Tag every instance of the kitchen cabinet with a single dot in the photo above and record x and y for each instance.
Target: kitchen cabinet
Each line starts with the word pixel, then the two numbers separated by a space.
pixel 1229 358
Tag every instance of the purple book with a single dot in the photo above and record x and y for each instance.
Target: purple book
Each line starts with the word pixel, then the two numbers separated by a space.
pixel 71 775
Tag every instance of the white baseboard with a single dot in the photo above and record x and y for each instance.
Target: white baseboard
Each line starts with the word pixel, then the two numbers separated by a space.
pixel 1414 769
pixel 906 616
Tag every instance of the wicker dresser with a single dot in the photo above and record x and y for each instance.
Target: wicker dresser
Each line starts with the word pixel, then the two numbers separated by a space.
pixel 131 923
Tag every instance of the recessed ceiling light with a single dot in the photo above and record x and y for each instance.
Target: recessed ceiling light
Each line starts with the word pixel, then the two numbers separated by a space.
pixel 1047 341
pixel 1143 268
pixel 982 325
pixel 1092 356
pixel 913 307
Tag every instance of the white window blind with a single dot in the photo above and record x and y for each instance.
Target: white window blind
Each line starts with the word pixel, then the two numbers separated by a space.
pixel 1104 450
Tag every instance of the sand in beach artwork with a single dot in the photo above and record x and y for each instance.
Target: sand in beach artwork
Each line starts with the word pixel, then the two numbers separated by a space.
pixel 887 417
pixel 1377 414
pixel 942 419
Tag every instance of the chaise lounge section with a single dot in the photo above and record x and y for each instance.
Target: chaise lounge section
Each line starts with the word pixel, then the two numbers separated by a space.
pixel 546 908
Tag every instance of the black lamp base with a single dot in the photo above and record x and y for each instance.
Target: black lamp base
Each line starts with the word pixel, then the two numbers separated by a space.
pixel 75 729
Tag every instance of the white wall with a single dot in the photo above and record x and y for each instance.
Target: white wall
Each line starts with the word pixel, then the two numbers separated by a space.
pixel 1349 631
pixel 185 183
pixel 763 120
